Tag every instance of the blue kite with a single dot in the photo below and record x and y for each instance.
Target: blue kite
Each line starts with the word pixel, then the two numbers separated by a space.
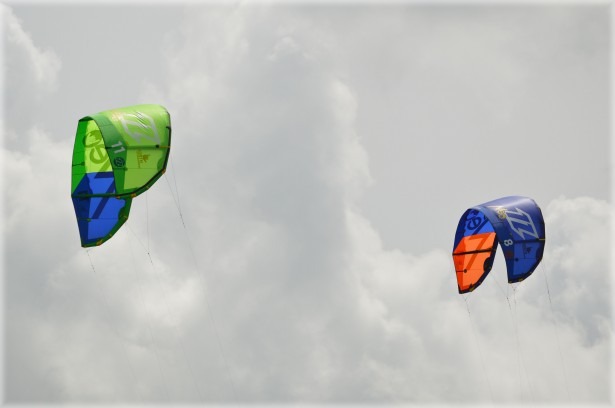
pixel 515 223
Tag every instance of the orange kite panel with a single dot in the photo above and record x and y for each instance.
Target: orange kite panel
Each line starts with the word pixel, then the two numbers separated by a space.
pixel 469 258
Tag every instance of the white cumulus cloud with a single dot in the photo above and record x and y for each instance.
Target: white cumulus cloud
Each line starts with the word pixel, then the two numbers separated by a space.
pixel 279 288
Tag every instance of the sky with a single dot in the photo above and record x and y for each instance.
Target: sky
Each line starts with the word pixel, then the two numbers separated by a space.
pixel 298 248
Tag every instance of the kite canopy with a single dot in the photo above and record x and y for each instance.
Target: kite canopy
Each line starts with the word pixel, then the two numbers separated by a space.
pixel 118 155
pixel 516 223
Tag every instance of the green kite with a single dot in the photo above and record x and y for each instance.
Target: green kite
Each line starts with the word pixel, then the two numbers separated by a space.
pixel 118 154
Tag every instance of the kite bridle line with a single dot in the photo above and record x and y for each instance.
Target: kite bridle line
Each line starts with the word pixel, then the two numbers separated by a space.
pixel 201 278
pixel 479 348
pixel 107 306
pixel 559 347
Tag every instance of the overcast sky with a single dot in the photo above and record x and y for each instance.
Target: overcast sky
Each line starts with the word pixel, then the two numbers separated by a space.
pixel 322 156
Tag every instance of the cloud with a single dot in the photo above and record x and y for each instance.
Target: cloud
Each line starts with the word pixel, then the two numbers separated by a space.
pixel 579 245
pixel 279 289
pixel 40 65
pixel 32 74
pixel 549 362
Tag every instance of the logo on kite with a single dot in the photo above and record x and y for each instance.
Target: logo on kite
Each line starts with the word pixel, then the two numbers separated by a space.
pixel 501 211
pixel 119 161
pixel 474 222
pixel 94 142
pixel 140 126
pixel 522 223
pixel 142 158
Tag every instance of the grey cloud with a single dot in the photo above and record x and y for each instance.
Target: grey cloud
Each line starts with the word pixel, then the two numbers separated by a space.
pixel 292 294
pixel 33 73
